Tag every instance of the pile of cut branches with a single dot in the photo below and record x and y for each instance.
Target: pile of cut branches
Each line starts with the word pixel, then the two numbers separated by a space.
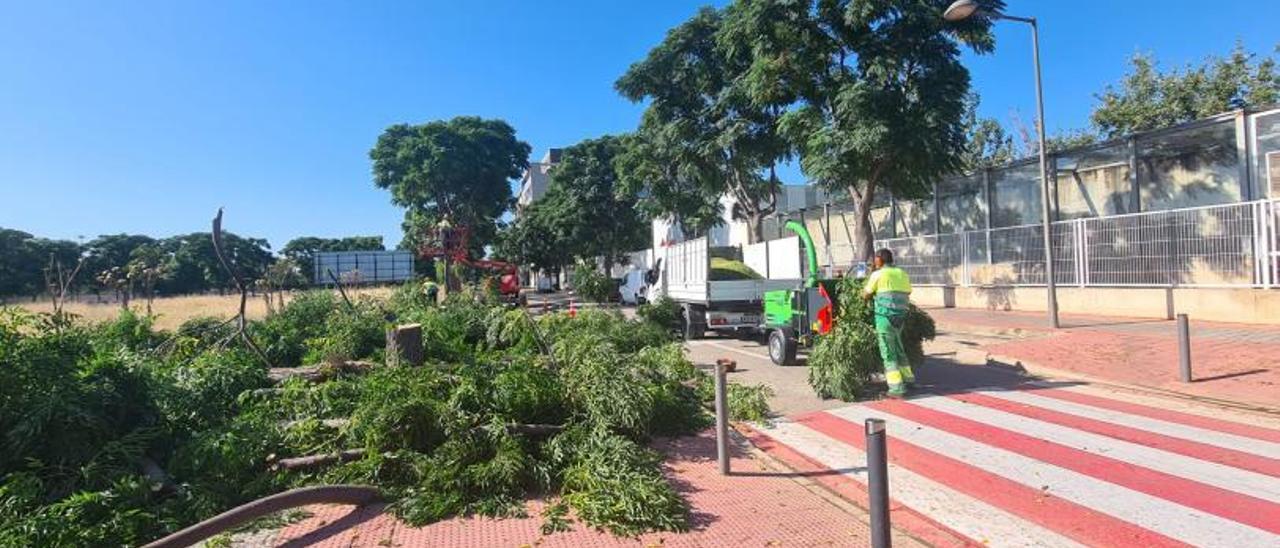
pixel 120 434
pixel 844 362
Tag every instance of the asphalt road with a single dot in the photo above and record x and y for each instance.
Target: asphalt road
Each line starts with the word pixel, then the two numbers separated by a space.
pixel 953 363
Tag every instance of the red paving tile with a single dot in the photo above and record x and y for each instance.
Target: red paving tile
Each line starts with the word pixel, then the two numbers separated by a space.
pixel 1232 362
pixel 763 506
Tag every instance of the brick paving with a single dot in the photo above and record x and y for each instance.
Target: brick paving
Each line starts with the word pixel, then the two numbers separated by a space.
pixel 1231 362
pixel 762 504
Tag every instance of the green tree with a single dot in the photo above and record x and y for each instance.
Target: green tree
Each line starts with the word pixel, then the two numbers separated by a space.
pixel 987 144
pixel 148 266
pixel 110 251
pixel 665 187
pixel 875 91
pixel 1148 98
pixel 193 266
pixel 460 170
pixel 702 113
pixel 588 211
pixel 532 242
pixel 24 259
pixel 16 269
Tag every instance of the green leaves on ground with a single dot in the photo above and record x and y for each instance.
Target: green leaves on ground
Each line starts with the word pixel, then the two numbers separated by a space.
pixel 508 407
pixel 843 362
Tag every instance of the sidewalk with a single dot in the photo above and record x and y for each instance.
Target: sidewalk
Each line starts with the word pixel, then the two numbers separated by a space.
pixel 762 504
pixel 1232 362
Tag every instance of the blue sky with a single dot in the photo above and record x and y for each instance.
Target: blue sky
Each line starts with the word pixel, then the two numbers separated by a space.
pixel 145 117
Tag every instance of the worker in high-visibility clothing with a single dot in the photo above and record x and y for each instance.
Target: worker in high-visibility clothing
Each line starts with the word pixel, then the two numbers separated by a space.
pixel 431 291
pixel 890 287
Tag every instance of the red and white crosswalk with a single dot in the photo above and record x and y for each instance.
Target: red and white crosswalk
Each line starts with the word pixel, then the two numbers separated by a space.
pixel 1063 466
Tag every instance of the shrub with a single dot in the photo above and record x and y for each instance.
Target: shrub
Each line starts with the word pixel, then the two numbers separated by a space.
pixel 410 296
pixel 284 335
pixel 349 334
pixel 592 285
pixel 844 361
pixel 662 312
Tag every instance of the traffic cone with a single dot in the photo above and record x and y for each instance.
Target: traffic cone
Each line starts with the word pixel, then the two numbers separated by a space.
pixel 573 309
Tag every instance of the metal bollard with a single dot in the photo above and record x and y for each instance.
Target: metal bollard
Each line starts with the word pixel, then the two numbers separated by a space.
pixel 1184 347
pixel 722 420
pixel 878 483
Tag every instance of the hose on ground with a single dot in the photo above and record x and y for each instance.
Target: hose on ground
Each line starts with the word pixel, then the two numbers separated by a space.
pixel 358 495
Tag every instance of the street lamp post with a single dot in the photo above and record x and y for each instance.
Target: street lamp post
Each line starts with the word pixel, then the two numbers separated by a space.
pixel 961 10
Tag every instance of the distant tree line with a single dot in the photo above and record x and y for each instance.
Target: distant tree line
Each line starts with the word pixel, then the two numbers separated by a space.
pixel 124 266
pixel 1148 97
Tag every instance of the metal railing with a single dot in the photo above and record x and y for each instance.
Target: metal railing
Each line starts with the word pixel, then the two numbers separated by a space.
pixel 1234 245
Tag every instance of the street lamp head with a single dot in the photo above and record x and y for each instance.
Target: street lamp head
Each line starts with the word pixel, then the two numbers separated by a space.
pixel 960 10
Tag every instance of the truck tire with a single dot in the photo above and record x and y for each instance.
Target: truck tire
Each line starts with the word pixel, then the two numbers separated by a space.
pixel 782 347
pixel 694 328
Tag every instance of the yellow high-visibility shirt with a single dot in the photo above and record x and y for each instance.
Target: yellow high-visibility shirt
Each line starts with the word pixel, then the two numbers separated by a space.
pixel 889 279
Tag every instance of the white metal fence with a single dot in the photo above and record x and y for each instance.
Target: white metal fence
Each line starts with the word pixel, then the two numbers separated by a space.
pixel 1235 245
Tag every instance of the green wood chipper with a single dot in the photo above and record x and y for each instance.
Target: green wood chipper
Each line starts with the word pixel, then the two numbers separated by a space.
pixel 798 316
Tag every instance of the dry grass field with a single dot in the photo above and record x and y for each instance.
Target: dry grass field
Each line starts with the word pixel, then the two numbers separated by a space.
pixel 170 312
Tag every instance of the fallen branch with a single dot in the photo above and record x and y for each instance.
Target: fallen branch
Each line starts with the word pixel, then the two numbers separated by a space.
pixel 266 391
pixel 316 461
pixel 328 423
pixel 319 372
pixel 348 455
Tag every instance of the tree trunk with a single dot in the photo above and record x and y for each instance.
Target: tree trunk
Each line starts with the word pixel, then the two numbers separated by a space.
pixel 863 235
pixel 755 228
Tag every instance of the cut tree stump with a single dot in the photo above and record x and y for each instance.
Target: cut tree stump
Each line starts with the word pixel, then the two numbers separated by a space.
pixel 404 345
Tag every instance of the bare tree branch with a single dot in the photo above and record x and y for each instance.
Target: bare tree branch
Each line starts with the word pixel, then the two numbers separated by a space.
pixel 341 291
pixel 240 285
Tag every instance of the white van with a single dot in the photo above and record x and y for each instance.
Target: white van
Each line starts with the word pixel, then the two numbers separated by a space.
pixel 634 288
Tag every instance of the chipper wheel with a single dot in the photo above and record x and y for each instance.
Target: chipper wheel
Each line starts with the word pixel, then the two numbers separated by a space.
pixel 782 347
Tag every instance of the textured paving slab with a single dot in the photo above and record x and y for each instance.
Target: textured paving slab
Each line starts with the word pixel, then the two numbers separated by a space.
pixel 762 504
pixel 1231 362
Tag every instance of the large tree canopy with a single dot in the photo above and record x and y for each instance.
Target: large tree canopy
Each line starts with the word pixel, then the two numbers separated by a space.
pixel 651 168
pixel 703 132
pixel 881 93
pixel 596 218
pixel 870 94
pixel 459 169
pixel 1148 98
pixel 585 213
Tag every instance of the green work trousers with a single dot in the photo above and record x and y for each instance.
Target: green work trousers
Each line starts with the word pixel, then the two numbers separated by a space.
pixel 897 367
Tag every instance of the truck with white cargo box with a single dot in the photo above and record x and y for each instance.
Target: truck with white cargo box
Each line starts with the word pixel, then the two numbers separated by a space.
pixel 685 276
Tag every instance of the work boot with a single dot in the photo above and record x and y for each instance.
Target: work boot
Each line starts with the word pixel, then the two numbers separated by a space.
pixel 896 395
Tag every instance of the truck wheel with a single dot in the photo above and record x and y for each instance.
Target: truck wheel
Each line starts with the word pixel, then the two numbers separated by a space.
pixel 693 329
pixel 782 347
